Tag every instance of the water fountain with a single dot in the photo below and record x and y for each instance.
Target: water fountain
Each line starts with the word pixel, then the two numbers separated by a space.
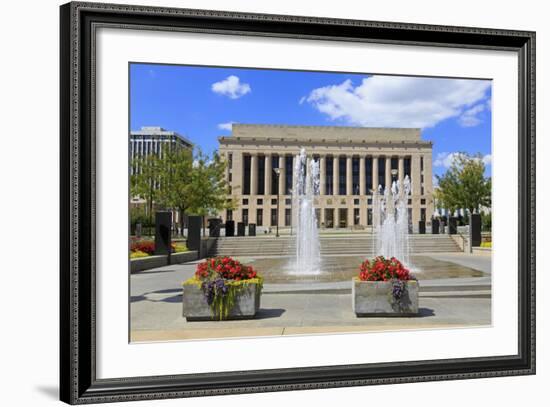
pixel 391 220
pixel 305 187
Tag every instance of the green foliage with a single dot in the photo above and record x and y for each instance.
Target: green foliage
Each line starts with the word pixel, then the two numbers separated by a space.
pixel 223 304
pixel 464 185
pixel 138 214
pixel 138 254
pixel 486 222
pixel 208 187
pixel 180 247
pixel 177 180
pixel 486 244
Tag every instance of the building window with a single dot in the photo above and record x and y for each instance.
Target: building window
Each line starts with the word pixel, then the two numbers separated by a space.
pixel 368 175
pixel 422 190
pixel 423 214
pixel 259 217
pixel 369 217
pixel 229 214
pixel 421 163
pixel 245 216
pixel 355 175
pixel 328 175
pixel 274 202
pixel 356 201
pixel 274 217
pixel 230 178
pixel 246 175
pixel 409 202
pixel 356 216
pixel 288 178
pixel 259 201
pixel 422 202
pixel 369 201
pixel 329 218
pixel 245 201
pixel 342 175
pixel 407 166
pixel 261 175
pixel 288 216
pixel 230 161
pixel 382 172
pixel 288 201
pixel 274 177
pixel 421 177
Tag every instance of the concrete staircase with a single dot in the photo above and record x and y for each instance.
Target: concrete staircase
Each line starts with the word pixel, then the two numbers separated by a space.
pixel 330 245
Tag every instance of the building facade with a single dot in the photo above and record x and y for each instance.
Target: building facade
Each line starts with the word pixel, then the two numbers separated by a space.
pixel 147 141
pixel 353 161
pixel 154 140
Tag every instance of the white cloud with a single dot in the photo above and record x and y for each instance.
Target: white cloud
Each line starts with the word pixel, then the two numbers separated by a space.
pixel 446 159
pixel 231 87
pixel 392 101
pixel 226 126
pixel 470 117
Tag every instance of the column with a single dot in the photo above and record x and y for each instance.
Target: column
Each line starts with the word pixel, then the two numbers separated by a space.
pixel 362 178
pixel 428 185
pixel 349 177
pixel 335 175
pixel 282 175
pixel 336 216
pixel 238 171
pixel 268 174
pixel 253 175
pixel 375 173
pixel 322 220
pixel 388 171
pixel 401 169
pixel 415 174
pixel 322 177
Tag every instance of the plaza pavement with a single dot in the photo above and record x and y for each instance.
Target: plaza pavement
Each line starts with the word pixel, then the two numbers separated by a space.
pixel 156 308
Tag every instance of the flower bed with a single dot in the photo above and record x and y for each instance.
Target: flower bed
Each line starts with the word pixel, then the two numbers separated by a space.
pixel 143 248
pixel 384 287
pixel 222 288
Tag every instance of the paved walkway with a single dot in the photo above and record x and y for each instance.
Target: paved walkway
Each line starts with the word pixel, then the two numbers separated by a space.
pixel 291 309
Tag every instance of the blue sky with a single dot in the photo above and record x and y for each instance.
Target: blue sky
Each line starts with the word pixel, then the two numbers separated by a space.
pixel 202 102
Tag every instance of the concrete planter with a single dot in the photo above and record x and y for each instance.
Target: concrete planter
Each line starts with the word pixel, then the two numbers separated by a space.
pixel 374 298
pixel 195 307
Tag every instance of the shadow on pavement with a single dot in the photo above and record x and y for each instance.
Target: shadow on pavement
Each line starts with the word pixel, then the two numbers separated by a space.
pixel 266 313
pixel 425 312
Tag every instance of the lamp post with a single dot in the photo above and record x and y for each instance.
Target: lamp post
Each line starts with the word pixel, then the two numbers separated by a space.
pixel 277 171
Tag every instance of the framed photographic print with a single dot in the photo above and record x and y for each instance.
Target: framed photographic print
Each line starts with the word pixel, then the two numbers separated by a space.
pixel 255 203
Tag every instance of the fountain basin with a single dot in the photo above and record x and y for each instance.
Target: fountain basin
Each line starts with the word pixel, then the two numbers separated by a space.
pixel 246 304
pixel 375 298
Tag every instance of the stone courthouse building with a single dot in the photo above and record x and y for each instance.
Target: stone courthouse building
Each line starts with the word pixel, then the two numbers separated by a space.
pixel 352 161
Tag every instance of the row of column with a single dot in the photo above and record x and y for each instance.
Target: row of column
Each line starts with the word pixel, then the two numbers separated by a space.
pixel 415 170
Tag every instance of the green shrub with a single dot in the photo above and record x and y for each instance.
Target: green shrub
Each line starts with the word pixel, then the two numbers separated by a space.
pixel 180 247
pixel 138 254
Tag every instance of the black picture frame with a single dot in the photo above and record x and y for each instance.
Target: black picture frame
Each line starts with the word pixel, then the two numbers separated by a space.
pixel 78 382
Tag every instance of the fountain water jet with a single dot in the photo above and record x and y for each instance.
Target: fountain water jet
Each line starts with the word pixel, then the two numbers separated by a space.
pixel 391 220
pixel 305 187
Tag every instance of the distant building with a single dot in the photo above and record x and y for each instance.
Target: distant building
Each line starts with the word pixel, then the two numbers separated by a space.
pixel 153 140
pixel 353 162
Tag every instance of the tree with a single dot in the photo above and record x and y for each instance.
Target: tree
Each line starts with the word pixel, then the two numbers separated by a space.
pixel 208 187
pixel 144 180
pixel 464 185
pixel 175 178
